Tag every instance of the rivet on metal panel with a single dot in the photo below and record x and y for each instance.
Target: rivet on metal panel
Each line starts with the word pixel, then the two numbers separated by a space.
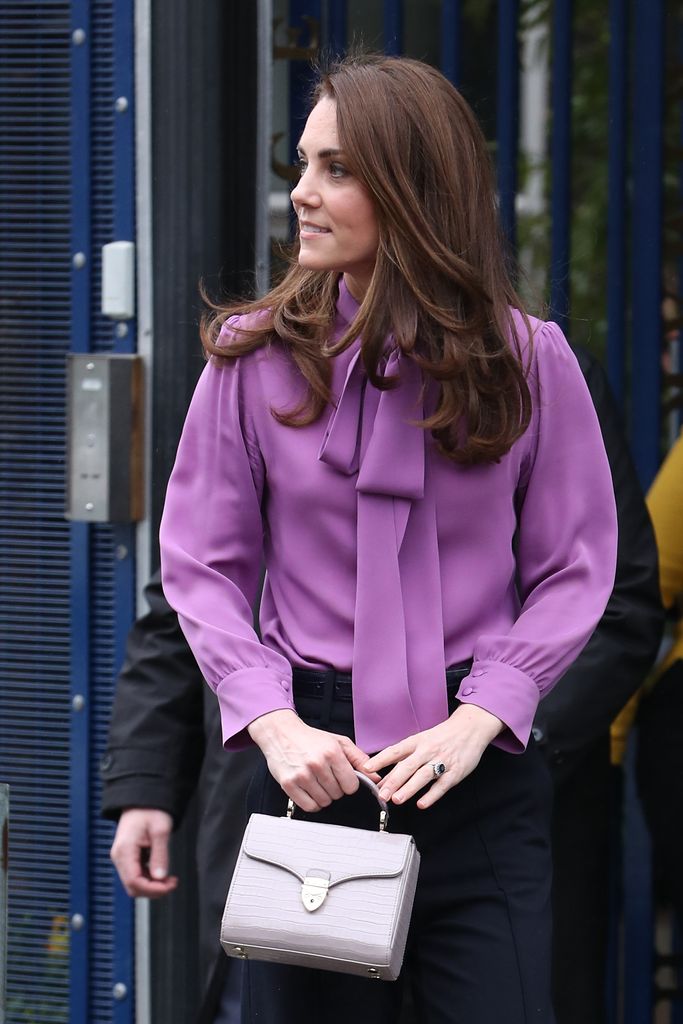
pixel 121 105
pixel 79 260
pixel 78 702
pixel 121 330
pixel 89 506
pixel 121 552
pixel 119 990
pixel 77 922
pixel 78 36
pixel 90 366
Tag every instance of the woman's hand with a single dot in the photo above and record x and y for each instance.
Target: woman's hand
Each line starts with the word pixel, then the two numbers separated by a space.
pixel 458 743
pixel 313 767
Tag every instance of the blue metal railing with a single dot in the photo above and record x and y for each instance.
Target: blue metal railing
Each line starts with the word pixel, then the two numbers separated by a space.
pixel 102 565
pixel 560 161
pixel 616 200
pixel 304 15
pixel 646 345
pixel 450 39
pixel 393 26
pixel 646 241
pixel 507 121
pixel 81 177
pixel 337 26
pixel 122 585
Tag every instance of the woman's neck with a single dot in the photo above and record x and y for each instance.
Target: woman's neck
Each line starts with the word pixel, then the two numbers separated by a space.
pixel 357 287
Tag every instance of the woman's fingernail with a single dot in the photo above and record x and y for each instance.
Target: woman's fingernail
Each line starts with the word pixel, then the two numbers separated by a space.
pixel 159 873
pixel 384 793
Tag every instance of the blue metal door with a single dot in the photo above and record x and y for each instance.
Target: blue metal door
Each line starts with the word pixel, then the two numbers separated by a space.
pixel 66 591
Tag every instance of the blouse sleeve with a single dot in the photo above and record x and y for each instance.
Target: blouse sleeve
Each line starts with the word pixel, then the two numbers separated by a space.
pixel 211 541
pixel 566 547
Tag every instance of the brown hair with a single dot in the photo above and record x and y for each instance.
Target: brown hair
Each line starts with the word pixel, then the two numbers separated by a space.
pixel 440 283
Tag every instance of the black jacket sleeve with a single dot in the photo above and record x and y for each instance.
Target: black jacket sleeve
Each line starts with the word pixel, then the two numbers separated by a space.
pixel 612 666
pixel 156 735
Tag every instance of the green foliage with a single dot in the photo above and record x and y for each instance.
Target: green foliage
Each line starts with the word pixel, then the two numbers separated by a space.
pixel 589 174
pixel 590 190
pixel 51 965
pixel 535 12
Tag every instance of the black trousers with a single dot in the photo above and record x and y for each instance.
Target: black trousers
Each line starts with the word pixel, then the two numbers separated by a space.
pixel 581 836
pixel 479 947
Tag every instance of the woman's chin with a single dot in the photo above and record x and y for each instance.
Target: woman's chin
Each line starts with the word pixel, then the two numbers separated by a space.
pixel 309 262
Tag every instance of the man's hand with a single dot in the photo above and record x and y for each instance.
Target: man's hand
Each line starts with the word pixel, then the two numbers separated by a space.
pixel 140 852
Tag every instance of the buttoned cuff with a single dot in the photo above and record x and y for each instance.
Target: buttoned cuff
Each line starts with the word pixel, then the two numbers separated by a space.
pixel 507 693
pixel 247 694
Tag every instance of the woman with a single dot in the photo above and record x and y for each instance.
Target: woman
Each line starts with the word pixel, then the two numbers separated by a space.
pixel 420 465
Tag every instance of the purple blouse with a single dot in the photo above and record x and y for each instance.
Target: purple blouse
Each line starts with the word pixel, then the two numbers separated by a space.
pixel 384 558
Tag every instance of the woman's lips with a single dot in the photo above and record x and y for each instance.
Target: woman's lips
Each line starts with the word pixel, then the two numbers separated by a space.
pixel 312 231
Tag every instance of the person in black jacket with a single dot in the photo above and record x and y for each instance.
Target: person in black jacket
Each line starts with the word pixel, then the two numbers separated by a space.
pixel 573 722
pixel 165 743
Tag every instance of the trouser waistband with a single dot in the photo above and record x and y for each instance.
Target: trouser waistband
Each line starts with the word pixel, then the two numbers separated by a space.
pixel 321 682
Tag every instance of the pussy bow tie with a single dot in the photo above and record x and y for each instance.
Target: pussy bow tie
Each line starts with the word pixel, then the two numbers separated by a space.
pixel 398 668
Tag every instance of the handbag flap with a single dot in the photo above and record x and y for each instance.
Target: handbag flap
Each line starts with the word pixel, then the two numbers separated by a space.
pixel 346 853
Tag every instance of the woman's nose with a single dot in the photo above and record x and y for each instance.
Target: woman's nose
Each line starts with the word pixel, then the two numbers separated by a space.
pixel 303 193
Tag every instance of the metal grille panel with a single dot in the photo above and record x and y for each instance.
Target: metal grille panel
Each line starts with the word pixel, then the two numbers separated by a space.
pixel 102 548
pixel 34 538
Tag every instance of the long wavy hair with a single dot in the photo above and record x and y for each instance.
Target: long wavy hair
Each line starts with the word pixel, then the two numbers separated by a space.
pixel 441 283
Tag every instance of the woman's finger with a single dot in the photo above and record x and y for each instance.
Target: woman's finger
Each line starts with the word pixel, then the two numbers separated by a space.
pixel 399 775
pixel 301 799
pixel 345 762
pixel 390 755
pixel 308 795
pixel 437 789
pixel 357 758
pixel 418 780
pixel 345 776
pixel 326 778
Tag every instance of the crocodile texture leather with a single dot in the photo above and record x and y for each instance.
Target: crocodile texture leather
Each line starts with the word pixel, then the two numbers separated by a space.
pixel 361 925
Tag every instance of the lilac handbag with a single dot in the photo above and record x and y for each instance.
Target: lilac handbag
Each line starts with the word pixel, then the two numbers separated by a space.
pixel 319 895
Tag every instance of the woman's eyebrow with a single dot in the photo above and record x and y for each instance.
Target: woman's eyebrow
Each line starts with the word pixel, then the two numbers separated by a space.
pixel 323 154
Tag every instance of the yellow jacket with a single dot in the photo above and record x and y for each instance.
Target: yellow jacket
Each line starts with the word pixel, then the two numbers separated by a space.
pixel 665 504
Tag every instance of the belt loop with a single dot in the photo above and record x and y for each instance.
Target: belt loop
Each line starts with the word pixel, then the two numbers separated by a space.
pixel 328 697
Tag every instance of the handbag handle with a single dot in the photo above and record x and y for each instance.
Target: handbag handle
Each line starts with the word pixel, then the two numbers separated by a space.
pixel 384 809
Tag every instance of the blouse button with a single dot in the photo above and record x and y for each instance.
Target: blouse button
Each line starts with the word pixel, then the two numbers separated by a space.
pixel 478 672
pixel 467 691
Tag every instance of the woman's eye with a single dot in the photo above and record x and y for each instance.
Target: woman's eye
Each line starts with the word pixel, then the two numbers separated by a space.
pixel 301 166
pixel 337 170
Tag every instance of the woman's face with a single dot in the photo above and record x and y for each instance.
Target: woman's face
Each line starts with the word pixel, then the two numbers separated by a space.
pixel 337 223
